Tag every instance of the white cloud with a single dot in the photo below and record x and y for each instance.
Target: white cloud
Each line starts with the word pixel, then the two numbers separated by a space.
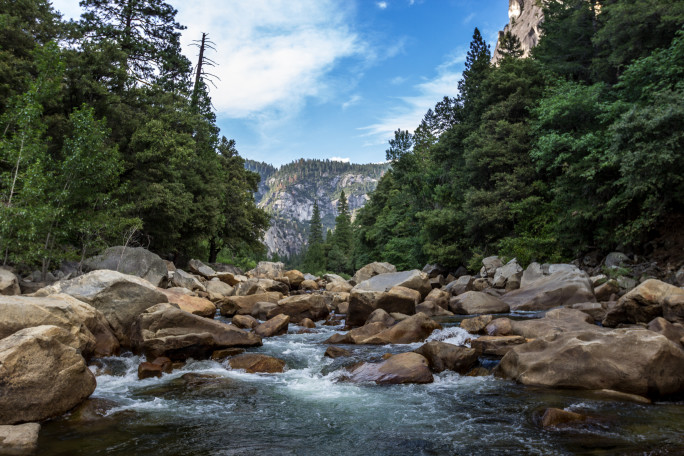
pixel 68 8
pixel 468 18
pixel 352 101
pixel 382 5
pixel 339 159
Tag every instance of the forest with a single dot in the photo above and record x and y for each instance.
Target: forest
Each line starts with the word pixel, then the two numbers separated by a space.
pixel 579 147
pixel 109 138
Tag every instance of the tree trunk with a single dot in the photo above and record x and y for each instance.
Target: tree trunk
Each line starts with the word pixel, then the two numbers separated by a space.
pixel 213 250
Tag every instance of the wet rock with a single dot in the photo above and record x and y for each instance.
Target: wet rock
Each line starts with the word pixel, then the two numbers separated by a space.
pixel 440 297
pixel 380 316
pixel 254 363
pixel 673 331
pixel 499 327
pixel 182 279
pixel 9 283
pixel 399 369
pixel 295 277
pixel 194 305
pixel 618 396
pixel 120 298
pixel 164 330
pixel 21 439
pixel 336 352
pixel 635 361
pixel 371 270
pixel 337 286
pixel 135 261
pixel 222 354
pixel 199 268
pixel 358 335
pixel 343 307
pixel 479 372
pixel 245 321
pixel 496 345
pixel 42 375
pixel 276 326
pixel 556 417
pixel 460 285
pixel 413 329
pixel 476 302
pixel 432 309
pixel 244 305
pixel 165 363
pixel 334 320
pixel 311 306
pixel 561 288
pixel 555 322
pixel 442 356
pixel 414 280
pixel 218 290
pixel 267 270
pixel 649 300
pixel 307 323
pixel 256 286
pixel 476 325
pixel 363 303
pixel 149 370
pixel 86 323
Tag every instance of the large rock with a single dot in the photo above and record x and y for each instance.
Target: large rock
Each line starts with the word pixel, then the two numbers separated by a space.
pixel 186 280
pixel 245 321
pixel 555 322
pixel 460 285
pixel 21 439
pixel 244 305
pixel 42 375
pixel 416 328
pixel 371 270
pixel 259 286
pixel 84 322
pixel 295 277
pixel 135 261
pixel 442 356
pixel 193 304
pixel 165 330
pixel 635 361
pixel 299 307
pixel 508 276
pixel 414 280
pixel 476 325
pixel 558 289
pixel 490 265
pixel 673 331
pixel 399 369
pixel 496 345
pixel 254 363
pixel 339 287
pixel 267 270
pixel 649 300
pixel 9 283
pixel 120 297
pixel 477 302
pixel 363 302
pixel 218 290
pixel 276 326
pixel 440 297
pixel 199 268
pixel 432 309
pixel 380 316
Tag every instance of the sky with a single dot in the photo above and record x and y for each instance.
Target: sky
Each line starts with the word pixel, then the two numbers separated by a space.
pixel 329 79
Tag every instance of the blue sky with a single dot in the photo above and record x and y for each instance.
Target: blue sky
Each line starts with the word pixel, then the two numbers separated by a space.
pixel 330 79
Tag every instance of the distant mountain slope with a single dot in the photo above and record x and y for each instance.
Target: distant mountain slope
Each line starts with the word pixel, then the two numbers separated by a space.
pixel 288 194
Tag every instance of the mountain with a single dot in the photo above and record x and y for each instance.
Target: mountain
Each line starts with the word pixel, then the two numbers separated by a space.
pixel 524 16
pixel 288 194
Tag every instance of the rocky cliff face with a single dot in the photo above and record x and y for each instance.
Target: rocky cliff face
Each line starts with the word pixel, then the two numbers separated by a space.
pixel 288 194
pixel 524 18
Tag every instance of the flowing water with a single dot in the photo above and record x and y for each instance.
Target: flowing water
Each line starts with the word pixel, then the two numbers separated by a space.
pixel 309 410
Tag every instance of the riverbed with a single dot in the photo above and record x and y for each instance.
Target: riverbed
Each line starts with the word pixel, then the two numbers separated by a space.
pixel 205 408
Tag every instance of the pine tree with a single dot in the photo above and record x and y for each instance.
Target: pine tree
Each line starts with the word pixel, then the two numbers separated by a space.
pixel 315 226
pixel 509 46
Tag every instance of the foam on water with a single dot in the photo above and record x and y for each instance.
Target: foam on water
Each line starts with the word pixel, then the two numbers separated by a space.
pixel 452 335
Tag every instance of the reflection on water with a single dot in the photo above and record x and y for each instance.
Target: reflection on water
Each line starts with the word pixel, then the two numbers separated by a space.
pixel 207 409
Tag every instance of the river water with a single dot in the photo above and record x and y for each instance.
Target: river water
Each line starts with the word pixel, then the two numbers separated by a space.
pixel 309 410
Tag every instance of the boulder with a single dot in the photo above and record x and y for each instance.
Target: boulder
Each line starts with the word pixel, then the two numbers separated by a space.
pixel 267 270
pixel 295 277
pixel 165 330
pixel 276 326
pixel 481 284
pixel 21 439
pixel 309 285
pixel 596 310
pixel 499 327
pixel 260 286
pixel 432 309
pixel 414 280
pixel 299 307
pixel 244 305
pixel 9 283
pixel 84 322
pixel 218 290
pixel 230 278
pixel 307 323
pixel 490 265
pixel 262 310
pixel 245 321
pixel 194 305
pixel 183 279
pixel 649 300
pixel 398 369
pixel 362 303
pixel 224 353
pixel 440 297
pixel 135 261
pixel 616 260
pixel 434 270
pixel 149 370
pixel 476 325
pixel 559 289
pixel 333 278
pixel 635 361
pixel 555 322
pixel 338 286
pixel 42 375
pixel 336 352
pixel 477 302
pixel 496 345
pixel 556 417
pixel 442 356
pixel 199 268
pixel 508 276
pixel 607 289
pixel 254 363
pixel 371 270
pixel 673 331
pixel 380 316
pixel 533 273
pixel 460 285
pixel 120 297
pixel 416 328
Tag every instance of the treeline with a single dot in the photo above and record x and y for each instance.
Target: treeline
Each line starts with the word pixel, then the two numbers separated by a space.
pixel 108 137
pixel 578 147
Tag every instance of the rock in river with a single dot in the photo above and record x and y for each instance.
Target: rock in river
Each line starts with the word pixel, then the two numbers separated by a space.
pixel 399 369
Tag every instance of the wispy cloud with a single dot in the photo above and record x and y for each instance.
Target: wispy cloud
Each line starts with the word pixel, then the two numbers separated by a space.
pixel 339 159
pixel 468 18
pixel 352 101
pixel 397 80
pixel 382 5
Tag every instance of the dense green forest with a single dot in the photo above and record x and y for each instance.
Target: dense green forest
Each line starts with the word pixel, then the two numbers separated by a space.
pixel 579 147
pixel 108 138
